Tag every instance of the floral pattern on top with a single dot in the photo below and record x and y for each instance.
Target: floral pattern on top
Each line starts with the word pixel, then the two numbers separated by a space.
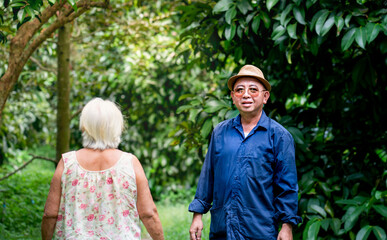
pixel 98 204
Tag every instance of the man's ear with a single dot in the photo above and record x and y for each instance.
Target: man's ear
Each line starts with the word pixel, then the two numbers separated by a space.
pixel 266 97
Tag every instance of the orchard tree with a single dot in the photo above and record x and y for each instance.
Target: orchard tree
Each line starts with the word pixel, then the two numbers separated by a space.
pixel 36 21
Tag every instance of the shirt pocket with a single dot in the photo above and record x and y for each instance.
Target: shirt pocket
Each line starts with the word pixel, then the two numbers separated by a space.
pixel 218 221
pixel 258 167
pixel 257 224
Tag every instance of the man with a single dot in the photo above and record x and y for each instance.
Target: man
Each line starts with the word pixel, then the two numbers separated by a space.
pixel 249 173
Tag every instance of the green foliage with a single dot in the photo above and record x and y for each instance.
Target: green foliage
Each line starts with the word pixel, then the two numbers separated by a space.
pixel 23 196
pixel 325 61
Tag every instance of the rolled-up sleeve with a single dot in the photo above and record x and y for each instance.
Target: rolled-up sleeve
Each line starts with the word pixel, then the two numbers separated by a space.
pixel 285 181
pixel 204 192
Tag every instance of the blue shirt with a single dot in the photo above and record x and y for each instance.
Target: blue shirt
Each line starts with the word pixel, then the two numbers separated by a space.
pixel 248 183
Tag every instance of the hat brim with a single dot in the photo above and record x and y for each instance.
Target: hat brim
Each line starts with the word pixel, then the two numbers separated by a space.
pixel 231 81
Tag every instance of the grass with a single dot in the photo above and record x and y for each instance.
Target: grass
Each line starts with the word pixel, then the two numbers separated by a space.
pixel 176 221
pixel 23 195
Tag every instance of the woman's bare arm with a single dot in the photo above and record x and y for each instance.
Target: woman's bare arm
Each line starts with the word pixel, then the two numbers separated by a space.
pixel 145 205
pixel 52 204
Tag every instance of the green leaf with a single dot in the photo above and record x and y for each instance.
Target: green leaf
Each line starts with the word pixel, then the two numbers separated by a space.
pixel 292 30
pixel 266 19
pixel 255 24
pixel 183 108
pixel 230 14
pixel 320 22
pixel 214 106
pixel 372 30
pixel 309 3
pixel 222 6
pixel 15 4
pixel 30 11
pixel 206 128
pixel 230 30
pixel 21 15
pixel 299 14
pixel 313 230
pixel 278 32
pixel 73 3
pixel 297 135
pixel 352 219
pixel 325 223
pixel 361 37
pixel 328 24
pixel 271 3
pixel 335 225
pixel 381 209
pixel 379 233
pixel 348 38
pixel 316 17
pixel 285 13
pixel 244 6
pixel 319 210
pixel 192 114
pixel 364 232
pixel 339 21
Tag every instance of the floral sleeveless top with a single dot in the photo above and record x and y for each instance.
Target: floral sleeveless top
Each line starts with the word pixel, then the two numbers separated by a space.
pixel 98 204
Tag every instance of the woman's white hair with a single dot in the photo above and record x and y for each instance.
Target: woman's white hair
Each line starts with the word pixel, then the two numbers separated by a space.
pixel 101 124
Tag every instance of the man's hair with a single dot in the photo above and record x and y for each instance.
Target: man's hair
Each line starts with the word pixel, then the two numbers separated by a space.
pixel 101 124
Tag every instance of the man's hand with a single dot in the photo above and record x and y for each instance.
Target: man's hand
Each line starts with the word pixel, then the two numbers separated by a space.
pixel 286 232
pixel 195 231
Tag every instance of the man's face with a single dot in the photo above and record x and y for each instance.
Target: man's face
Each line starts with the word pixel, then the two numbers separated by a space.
pixel 249 95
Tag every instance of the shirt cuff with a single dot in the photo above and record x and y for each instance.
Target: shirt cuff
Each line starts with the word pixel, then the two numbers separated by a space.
pixel 294 220
pixel 199 206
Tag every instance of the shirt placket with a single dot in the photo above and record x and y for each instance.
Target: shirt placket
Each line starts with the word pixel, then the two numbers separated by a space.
pixel 236 202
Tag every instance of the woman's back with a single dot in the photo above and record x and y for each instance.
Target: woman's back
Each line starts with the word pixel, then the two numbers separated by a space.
pixel 99 195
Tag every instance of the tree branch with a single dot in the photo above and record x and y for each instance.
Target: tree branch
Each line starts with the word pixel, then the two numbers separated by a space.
pixel 40 65
pixel 25 164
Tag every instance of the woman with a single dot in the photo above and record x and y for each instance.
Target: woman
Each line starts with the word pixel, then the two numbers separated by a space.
pixel 100 192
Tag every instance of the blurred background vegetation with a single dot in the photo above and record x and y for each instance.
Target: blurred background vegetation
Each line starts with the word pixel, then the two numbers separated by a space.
pixel 166 64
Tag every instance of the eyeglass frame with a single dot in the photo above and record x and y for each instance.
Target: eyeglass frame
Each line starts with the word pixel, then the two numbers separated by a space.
pixel 249 92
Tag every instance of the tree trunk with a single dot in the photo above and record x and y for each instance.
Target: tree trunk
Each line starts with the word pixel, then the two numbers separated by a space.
pixel 63 90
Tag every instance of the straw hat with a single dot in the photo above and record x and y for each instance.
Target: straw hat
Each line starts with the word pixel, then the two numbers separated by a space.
pixel 249 71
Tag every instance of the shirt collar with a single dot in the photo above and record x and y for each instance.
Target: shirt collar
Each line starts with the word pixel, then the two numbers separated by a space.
pixel 262 123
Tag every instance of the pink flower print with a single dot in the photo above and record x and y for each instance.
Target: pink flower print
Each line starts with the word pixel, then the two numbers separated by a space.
pixel 70 222
pixel 68 172
pixel 96 208
pixel 82 175
pixel 91 233
pixel 78 230
pixel 90 217
pixel 99 195
pixel 83 206
pixel 109 181
pixel 85 184
pixel 92 189
pixel 101 217
pixel 60 233
pixel 125 213
pixel 103 238
pixel 137 235
pixel 136 214
pixel 125 185
pixel 113 172
pixel 72 198
pixel 111 220
pixel 75 182
pixel 111 196
pixel 60 218
pixel 65 159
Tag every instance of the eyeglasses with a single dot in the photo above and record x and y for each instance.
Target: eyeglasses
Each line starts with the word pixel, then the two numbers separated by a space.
pixel 253 92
